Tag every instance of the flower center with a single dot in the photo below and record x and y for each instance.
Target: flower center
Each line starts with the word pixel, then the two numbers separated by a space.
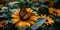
pixel 24 15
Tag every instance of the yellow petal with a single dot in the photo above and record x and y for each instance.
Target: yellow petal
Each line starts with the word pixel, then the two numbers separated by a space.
pixel 29 10
pixel 31 22
pixel 48 17
pixel 15 20
pixel 51 22
pixel 45 15
pixel 16 25
pixel 20 24
pixel 17 11
pixel 46 23
pixel 28 24
pixel 17 14
pixel 14 16
pixel 24 24
pixel 34 13
pixel 34 18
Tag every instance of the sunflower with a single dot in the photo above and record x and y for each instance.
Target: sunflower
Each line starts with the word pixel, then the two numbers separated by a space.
pixel 2 23
pixel 48 19
pixel 24 18
pixel 51 10
pixel 54 11
pixel 58 12
pixel 1 5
